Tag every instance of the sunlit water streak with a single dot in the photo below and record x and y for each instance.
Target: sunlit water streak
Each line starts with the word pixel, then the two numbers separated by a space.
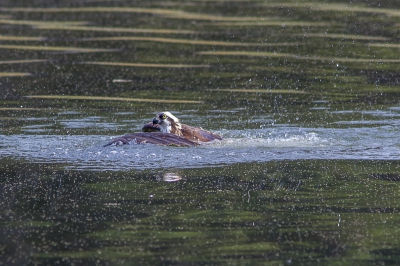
pixel 262 145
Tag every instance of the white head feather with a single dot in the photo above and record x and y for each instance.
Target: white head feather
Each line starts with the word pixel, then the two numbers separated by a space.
pixel 174 118
pixel 166 124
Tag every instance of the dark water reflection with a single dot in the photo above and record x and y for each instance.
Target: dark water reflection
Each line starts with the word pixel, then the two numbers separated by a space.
pixel 304 94
pixel 298 212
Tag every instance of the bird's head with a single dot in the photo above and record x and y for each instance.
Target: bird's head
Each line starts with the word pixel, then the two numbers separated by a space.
pixel 164 122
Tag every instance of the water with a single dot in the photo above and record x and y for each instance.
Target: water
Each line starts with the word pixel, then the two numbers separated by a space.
pixel 305 96
pixel 239 146
pixel 375 137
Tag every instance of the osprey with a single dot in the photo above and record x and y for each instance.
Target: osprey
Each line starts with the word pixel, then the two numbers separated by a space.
pixel 166 129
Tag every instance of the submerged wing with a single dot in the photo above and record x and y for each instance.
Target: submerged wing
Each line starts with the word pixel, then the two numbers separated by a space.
pixel 157 138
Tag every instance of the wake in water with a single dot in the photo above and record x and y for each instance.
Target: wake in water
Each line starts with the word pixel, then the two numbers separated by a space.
pixel 280 143
pixel 271 138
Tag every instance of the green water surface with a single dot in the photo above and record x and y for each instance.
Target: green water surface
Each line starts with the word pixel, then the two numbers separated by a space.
pixel 224 66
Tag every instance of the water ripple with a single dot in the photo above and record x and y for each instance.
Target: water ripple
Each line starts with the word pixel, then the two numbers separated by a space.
pixel 86 151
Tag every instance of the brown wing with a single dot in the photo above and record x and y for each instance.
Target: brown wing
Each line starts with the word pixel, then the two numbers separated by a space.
pixel 158 138
pixel 198 134
pixel 150 127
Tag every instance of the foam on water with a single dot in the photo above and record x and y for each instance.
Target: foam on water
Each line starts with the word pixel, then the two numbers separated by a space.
pixel 280 143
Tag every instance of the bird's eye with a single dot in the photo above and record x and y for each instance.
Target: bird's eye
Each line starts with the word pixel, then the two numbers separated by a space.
pixel 163 116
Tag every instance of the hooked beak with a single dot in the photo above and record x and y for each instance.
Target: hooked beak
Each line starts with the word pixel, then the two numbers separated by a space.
pixel 152 127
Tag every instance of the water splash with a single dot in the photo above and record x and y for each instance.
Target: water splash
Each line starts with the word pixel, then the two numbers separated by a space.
pixel 281 143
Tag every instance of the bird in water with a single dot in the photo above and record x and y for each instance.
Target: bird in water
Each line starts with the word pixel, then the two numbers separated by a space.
pixel 166 129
